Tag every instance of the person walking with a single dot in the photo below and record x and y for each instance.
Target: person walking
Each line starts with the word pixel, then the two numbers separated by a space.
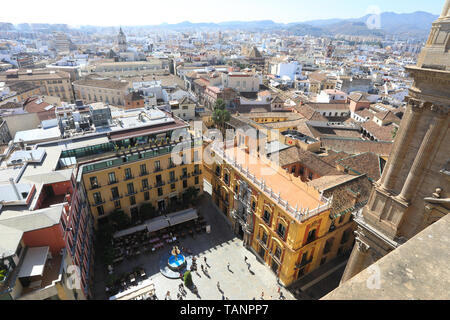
pixel 204 258
pixel 245 259
pixel 168 296
pixel 218 286
pixel 202 268
pixel 228 266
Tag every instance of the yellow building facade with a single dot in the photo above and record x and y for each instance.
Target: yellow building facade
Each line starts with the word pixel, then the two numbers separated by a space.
pixel 147 177
pixel 283 221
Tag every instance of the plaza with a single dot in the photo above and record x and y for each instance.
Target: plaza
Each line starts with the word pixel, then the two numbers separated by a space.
pixel 244 280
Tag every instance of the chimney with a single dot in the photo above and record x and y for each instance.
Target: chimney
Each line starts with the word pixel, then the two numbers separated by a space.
pixel 19 196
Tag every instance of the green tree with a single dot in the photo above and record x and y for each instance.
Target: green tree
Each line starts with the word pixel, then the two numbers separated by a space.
pixel 188 279
pixel 220 114
pixel 147 211
pixel 119 219
pixel 190 196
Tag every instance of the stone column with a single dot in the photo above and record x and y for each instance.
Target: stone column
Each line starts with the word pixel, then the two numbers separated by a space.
pixel 446 10
pixel 401 143
pixel 424 153
pixel 356 262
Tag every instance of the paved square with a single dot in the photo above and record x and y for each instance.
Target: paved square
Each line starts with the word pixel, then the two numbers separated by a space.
pixel 220 247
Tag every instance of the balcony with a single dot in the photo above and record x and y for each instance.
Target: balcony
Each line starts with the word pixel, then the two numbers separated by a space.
pixel 196 173
pixel 116 197
pixel 132 193
pixel 173 180
pixel 113 182
pixel 98 202
pixel 171 166
pixel 157 170
pixel 262 243
pixel 147 188
pixel 96 186
pixel 159 184
pixel 185 176
pixel 128 178
pixel 144 173
pixel 303 263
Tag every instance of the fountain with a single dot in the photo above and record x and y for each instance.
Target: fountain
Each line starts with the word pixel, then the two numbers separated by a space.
pixel 176 261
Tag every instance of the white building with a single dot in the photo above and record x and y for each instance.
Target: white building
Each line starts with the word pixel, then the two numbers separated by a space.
pixel 287 69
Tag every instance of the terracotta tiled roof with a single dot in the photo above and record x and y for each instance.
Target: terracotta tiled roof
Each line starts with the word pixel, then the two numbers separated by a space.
pixel 382 133
pixel 358 97
pixel 365 163
pixel 308 159
pixel 309 113
pixel 356 146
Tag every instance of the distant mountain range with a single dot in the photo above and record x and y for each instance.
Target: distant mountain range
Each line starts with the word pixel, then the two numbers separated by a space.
pixel 416 24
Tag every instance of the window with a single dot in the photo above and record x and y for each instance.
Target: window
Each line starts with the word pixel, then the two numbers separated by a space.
pixel 226 178
pixel 281 230
pixel 157 166
pixel 311 236
pixel 310 176
pixel 130 188
pixel 172 186
pixel 94 182
pixel 117 204
pixel 184 183
pixel 293 169
pixel 302 171
pixel 278 253
pixel 266 216
pixel 253 205
pixel 345 236
pixel 146 196
pixel 323 260
pixel 184 174
pixel 196 180
pixel 115 193
pixel 100 211
pixel 217 171
pixel 196 156
pixel 97 197
pixel 132 200
pixel 341 218
pixel 172 175
pixel 328 246
pixel 143 169
pixel 264 238
pixel 160 192
pixel 128 173
pixel 145 184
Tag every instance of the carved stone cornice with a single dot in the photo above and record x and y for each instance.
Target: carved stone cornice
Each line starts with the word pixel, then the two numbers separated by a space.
pixel 418 105
pixel 440 109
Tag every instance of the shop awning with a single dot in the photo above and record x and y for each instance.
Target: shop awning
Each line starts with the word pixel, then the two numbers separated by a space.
pixel 128 231
pixel 157 224
pixel 34 262
pixel 182 216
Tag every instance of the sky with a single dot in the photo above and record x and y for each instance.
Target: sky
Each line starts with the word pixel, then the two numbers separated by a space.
pixel 151 12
